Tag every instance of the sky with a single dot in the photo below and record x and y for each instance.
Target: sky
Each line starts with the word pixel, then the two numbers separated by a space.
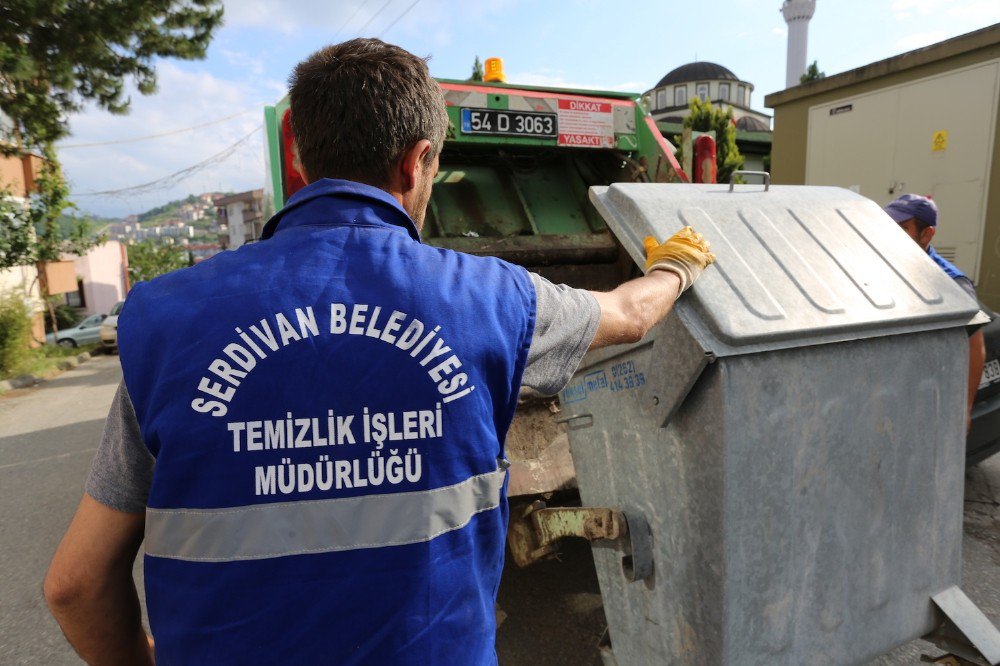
pixel 604 44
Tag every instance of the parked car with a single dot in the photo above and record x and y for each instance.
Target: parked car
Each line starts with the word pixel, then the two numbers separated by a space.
pixel 86 332
pixel 109 328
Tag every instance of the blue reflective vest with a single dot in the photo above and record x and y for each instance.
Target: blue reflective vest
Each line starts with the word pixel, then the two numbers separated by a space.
pixel 951 269
pixel 327 409
pixel 957 275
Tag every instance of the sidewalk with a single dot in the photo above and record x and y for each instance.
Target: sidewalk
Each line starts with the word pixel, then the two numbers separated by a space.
pixel 25 381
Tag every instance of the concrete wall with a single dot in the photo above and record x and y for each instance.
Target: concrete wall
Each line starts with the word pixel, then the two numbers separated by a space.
pixel 18 173
pixel 12 175
pixel 21 280
pixel 791 124
pixel 103 271
pixel 234 213
pixel 915 138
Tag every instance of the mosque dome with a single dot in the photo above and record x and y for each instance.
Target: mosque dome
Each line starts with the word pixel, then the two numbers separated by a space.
pixel 708 81
pixel 697 71
pixel 752 124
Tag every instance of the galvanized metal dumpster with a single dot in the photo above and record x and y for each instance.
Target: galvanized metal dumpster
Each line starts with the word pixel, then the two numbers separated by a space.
pixel 793 434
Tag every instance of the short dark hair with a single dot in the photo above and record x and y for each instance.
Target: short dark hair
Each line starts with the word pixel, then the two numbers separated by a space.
pixel 356 106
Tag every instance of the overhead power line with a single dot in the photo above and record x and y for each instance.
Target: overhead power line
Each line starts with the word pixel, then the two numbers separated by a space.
pixel 174 178
pixel 374 16
pixel 398 18
pixel 160 135
pixel 349 19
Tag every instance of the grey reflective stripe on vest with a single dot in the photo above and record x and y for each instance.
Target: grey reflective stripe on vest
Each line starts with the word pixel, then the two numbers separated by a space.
pixel 318 526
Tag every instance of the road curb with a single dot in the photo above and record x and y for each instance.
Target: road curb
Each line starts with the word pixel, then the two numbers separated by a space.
pixel 24 381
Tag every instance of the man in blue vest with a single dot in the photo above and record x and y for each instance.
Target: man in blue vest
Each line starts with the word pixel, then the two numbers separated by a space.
pixel 917 216
pixel 309 433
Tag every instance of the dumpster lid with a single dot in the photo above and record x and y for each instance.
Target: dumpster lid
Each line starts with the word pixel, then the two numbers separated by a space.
pixel 795 265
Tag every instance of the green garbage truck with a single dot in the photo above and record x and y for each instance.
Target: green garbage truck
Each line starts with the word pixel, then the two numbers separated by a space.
pixel 513 181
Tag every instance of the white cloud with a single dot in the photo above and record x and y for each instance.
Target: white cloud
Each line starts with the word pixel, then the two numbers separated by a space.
pixel 920 39
pixel 781 32
pixel 343 19
pixel 918 6
pixel 984 12
pixel 289 17
pixel 548 78
pixel 442 18
pixel 189 97
pixel 184 99
pixel 252 65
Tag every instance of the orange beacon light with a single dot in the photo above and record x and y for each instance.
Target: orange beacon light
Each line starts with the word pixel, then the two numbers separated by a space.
pixel 494 70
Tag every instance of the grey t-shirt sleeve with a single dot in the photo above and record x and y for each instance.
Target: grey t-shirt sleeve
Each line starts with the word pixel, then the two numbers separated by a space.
pixel 566 321
pixel 122 470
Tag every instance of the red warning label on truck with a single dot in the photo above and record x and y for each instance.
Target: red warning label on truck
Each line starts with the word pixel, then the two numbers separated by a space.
pixel 586 123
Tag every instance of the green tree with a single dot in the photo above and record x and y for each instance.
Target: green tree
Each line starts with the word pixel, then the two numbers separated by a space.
pixel 704 117
pixel 45 212
pixel 16 234
pixel 34 233
pixel 146 260
pixel 15 332
pixel 812 73
pixel 57 54
pixel 477 71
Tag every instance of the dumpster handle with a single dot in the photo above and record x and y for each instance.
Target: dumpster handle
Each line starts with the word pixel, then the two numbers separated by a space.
pixel 586 421
pixel 764 174
pixel 637 562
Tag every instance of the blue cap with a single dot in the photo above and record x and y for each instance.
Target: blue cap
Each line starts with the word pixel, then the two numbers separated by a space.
pixel 913 206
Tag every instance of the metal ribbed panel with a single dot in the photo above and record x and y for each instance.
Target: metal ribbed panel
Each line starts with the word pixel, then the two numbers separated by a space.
pixel 795 265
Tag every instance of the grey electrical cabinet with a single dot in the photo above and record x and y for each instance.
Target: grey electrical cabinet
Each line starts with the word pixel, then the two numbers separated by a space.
pixel 793 433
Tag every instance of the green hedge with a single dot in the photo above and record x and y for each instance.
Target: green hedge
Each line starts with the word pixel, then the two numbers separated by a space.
pixel 15 333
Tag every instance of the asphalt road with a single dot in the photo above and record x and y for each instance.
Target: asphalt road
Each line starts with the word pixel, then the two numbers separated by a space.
pixel 47 437
pixel 551 613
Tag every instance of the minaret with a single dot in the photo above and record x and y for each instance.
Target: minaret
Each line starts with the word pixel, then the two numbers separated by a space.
pixel 797 14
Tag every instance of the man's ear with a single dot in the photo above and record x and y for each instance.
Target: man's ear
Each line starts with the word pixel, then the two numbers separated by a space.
pixel 927 235
pixel 412 163
pixel 297 162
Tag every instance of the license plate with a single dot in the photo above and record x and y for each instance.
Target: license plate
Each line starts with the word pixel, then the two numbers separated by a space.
pixel 509 123
pixel 991 373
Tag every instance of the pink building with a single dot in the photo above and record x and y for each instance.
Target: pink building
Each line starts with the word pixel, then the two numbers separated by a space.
pixel 102 276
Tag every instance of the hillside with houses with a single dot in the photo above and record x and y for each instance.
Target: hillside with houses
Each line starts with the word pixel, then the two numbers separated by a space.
pixel 192 222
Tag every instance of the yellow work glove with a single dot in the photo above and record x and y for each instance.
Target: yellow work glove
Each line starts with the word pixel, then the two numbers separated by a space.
pixel 685 254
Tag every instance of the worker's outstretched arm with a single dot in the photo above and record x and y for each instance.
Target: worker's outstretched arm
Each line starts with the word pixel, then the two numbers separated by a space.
pixel 977 358
pixel 628 312
pixel 90 589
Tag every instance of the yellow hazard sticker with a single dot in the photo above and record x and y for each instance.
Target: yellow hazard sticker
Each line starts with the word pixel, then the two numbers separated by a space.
pixel 940 141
